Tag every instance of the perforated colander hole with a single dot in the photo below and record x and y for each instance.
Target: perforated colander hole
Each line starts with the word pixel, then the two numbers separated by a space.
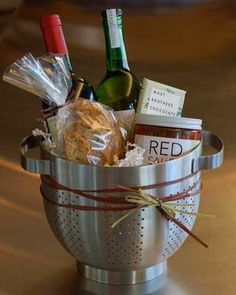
pixel 190 186
pixel 168 251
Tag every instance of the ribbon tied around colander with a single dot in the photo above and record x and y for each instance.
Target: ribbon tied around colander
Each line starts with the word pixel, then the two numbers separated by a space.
pixel 137 199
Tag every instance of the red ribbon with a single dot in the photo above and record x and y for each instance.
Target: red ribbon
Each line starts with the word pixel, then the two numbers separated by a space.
pixel 110 199
pixel 49 112
pixel 46 113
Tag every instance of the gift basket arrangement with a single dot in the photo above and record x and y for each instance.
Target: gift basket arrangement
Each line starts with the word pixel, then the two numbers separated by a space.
pixel 120 168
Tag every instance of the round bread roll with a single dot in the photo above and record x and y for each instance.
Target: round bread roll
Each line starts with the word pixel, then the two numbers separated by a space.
pixel 94 137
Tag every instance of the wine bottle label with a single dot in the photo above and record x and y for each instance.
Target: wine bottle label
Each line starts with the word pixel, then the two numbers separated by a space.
pixel 159 99
pixel 161 149
pixel 113 28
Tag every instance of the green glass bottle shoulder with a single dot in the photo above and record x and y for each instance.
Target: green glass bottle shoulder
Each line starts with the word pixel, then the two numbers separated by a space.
pixel 81 89
pixel 119 90
pixel 86 90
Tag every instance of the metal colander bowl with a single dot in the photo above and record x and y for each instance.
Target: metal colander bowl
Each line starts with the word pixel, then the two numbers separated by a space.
pixel 136 250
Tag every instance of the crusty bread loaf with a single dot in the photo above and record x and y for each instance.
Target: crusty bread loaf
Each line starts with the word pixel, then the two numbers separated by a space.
pixel 94 137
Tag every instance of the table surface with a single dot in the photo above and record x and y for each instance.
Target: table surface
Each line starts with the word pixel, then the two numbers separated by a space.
pixel 192 49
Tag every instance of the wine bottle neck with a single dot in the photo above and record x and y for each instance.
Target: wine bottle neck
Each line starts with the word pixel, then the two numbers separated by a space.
pixel 115 47
pixel 54 37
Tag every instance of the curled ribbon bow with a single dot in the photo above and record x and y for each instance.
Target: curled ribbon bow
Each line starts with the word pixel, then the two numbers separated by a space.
pixel 167 209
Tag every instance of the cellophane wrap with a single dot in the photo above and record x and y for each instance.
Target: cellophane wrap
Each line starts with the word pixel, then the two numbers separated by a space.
pixel 125 118
pixel 88 133
pixel 47 77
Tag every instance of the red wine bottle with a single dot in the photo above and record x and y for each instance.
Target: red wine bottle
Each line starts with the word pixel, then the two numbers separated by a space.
pixel 55 43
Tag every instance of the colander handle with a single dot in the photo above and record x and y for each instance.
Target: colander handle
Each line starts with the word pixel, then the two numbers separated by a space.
pixel 33 165
pixel 212 161
pixel 40 166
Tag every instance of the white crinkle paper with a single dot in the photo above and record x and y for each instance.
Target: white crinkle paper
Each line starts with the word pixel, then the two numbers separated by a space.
pixel 133 157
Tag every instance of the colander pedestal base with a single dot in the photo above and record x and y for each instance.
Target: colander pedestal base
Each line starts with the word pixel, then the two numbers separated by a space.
pixel 123 277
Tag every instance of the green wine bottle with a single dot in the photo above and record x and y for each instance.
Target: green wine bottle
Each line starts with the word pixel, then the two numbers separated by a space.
pixel 120 88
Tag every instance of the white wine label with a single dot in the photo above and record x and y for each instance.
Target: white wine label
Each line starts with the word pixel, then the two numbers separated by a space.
pixel 113 28
pixel 161 149
pixel 159 99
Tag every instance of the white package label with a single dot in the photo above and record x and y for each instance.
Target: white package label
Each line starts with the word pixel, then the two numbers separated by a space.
pixel 159 99
pixel 161 149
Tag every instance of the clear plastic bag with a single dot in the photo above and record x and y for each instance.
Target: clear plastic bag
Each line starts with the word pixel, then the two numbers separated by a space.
pixel 47 77
pixel 88 133
pixel 125 118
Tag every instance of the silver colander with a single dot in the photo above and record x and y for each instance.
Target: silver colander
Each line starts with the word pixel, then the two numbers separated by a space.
pixel 136 250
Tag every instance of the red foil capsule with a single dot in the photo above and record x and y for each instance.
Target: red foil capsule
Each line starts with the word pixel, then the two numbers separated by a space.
pixel 53 34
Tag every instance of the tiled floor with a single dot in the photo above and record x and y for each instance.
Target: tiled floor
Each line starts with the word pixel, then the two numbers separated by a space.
pixel 193 49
